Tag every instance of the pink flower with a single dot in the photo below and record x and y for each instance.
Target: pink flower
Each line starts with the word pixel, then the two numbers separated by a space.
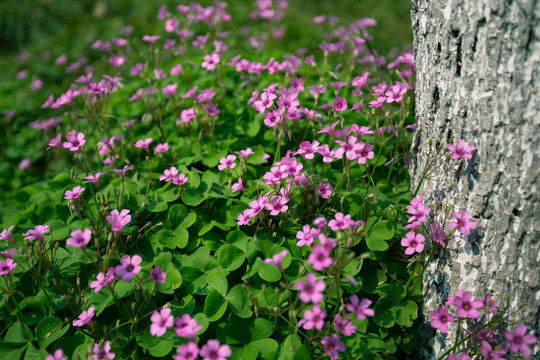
pixel 462 356
pixel 8 254
pixel 320 258
pixel 277 205
pixel 103 280
pixel 119 220
pixel 117 61
pixel 6 234
pixel 466 306
pixel 188 351
pixel 311 290
pixel 360 309
pixel 227 162
pixel 340 104
pixel 85 318
pixel 213 350
pixel 333 346
pixel 180 179
pixel 306 235
pixel 161 148
pixel 74 194
pixel 56 141
pixel 58 355
pixel 313 318
pixel 129 267
pixel 518 341
pixel 244 153
pixel 80 238
pixel 490 354
pixel 461 151
pixel 7 266
pixel 324 189
pixel 74 140
pixel 340 222
pixel 462 223
pixel 151 39
pixel 186 327
pixel 169 174
pixel 437 234
pixel 277 259
pixel 307 150
pixel 272 118
pixel 238 186
pixel 350 148
pixel 37 232
pixel 210 61
pixel 158 275
pixel 344 325
pixel 161 320
pixel 122 172
pixel 440 319
pixel 414 242
pixel 364 152
pixel 170 90
pixel 175 70
pixel 144 143
pixel 102 352
pixel 94 179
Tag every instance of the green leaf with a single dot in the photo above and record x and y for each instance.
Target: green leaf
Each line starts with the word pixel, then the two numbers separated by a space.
pixel 193 197
pixel 18 333
pixel 261 329
pixel 162 348
pixel 12 350
pixel 382 230
pixel 181 237
pixel 49 330
pixel 218 282
pixel 177 214
pixel 249 353
pixel 406 312
pixel 215 306
pixel 394 290
pixel 385 314
pixel 230 257
pixel 265 346
pixel 170 195
pixel 375 244
pixel 269 272
pixel 158 205
pixel 238 300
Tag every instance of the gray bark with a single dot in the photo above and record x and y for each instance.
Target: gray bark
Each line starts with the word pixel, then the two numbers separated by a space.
pixel 478 64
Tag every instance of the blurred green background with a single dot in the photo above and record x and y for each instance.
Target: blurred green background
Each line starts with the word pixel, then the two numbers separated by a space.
pixel 45 25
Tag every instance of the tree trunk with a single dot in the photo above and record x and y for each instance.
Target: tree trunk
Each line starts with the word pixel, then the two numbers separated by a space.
pixel 478 79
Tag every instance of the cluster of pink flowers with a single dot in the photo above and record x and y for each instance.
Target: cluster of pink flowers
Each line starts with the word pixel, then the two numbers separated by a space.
pixel 186 327
pixel 414 241
pixel 172 176
pixel 468 308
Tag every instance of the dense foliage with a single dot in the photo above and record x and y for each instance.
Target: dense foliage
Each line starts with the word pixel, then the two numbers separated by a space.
pixel 202 191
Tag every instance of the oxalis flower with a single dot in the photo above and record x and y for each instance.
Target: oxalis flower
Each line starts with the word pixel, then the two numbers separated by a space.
pixel 213 350
pixel 80 238
pixel 85 318
pixel 518 341
pixel 413 242
pixel 161 320
pixel 129 267
pixel 360 308
pixel 74 140
pixel 440 319
pixel 7 266
pixel 118 220
pixel 460 150
pixel 74 194
pixel 311 290
pixel 462 222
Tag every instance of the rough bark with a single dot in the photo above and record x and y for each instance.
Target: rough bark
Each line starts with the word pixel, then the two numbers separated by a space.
pixel 478 64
